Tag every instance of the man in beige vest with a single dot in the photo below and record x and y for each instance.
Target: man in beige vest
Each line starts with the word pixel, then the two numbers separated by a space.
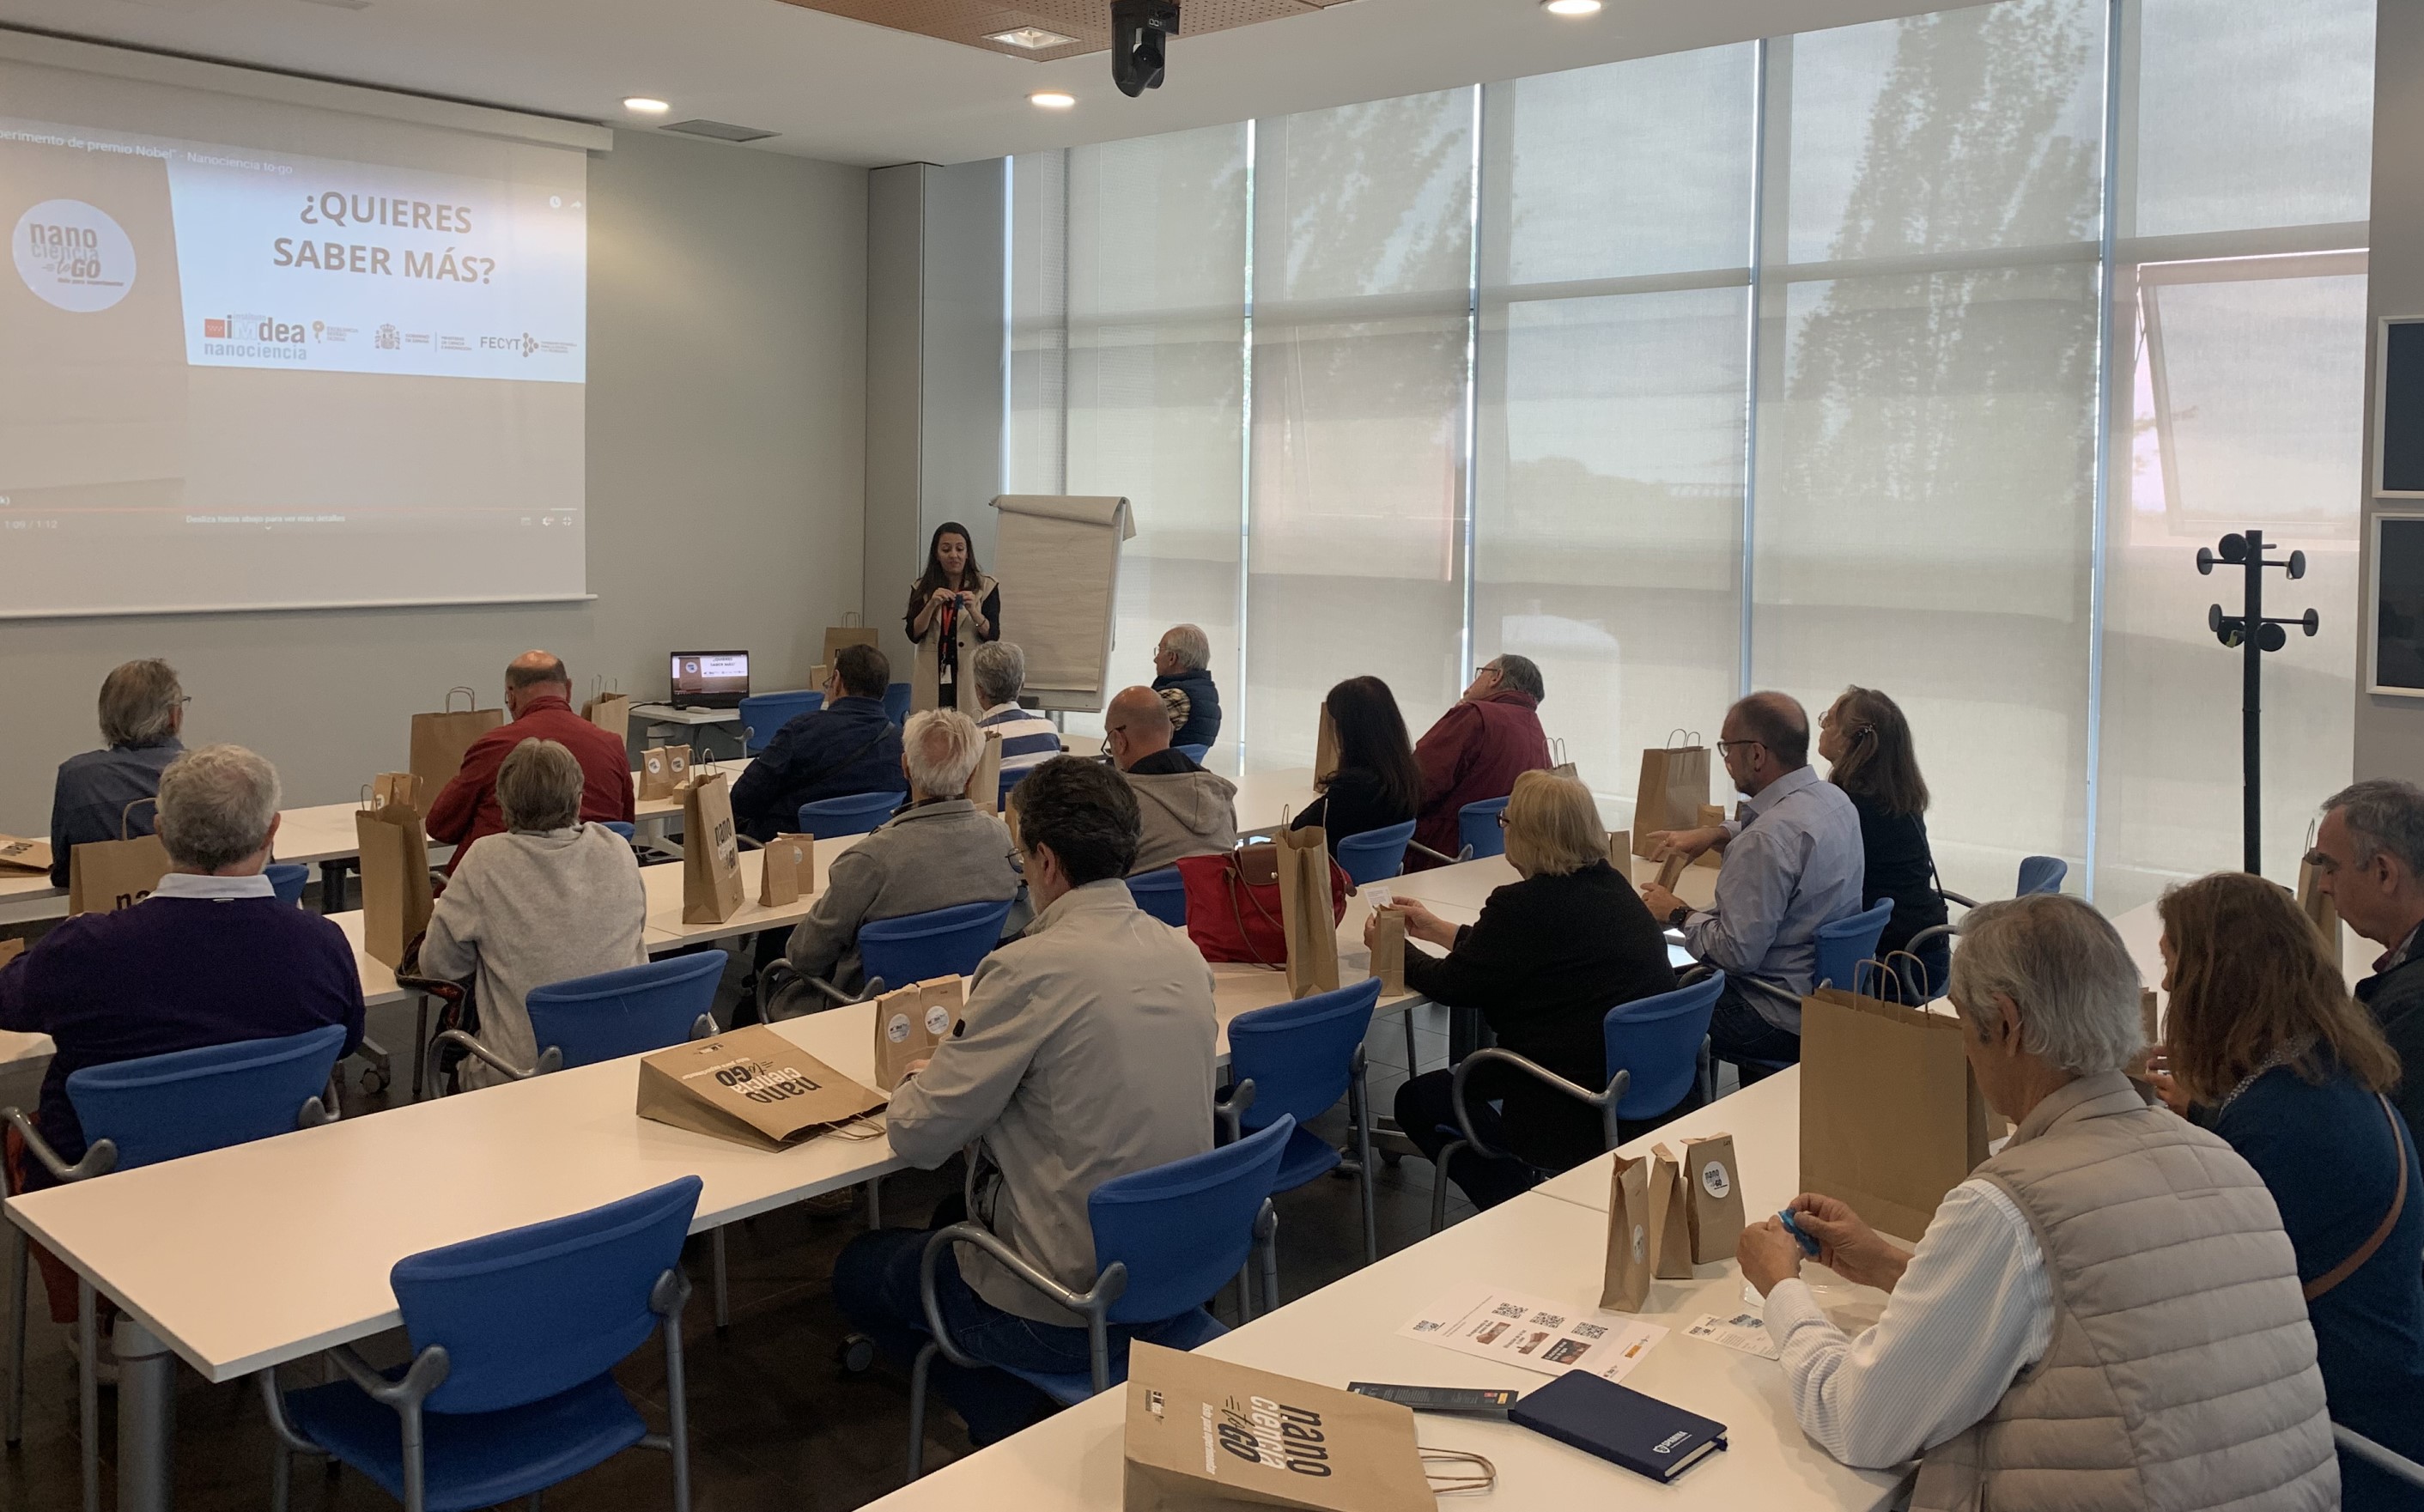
pixel 2105 1314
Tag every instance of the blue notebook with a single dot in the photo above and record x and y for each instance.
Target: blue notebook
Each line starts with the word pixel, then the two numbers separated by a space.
pixel 1641 1433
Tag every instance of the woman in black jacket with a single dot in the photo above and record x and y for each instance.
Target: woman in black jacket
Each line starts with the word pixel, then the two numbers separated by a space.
pixel 1549 957
pixel 1377 783
pixel 1868 747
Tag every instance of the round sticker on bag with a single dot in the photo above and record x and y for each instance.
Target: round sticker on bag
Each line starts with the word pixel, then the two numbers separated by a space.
pixel 896 1028
pixel 1713 1180
pixel 1640 1243
pixel 938 1021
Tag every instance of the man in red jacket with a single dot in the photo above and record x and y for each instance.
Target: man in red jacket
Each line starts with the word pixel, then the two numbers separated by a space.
pixel 538 695
pixel 1477 749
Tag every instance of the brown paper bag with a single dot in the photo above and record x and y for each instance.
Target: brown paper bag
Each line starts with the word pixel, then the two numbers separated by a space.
pixel 1674 785
pixel 910 1021
pixel 1626 1285
pixel 1560 765
pixel 984 784
pixel 11 951
pixel 712 890
pixel 1891 1158
pixel 1713 1196
pixel 21 854
pixel 1619 853
pixel 787 871
pixel 105 876
pixel 664 769
pixel 1204 1433
pixel 1325 749
pixel 1711 815
pixel 440 740
pixel 609 710
pixel 2319 909
pixel 1670 1217
pixel 1670 870
pixel 395 879
pixel 752 1086
pixel 1389 951
pixel 396 787
pixel 849 633
pixel 1304 911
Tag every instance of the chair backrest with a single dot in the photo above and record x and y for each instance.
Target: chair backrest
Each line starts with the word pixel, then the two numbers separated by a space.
pixel 1193 753
pixel 1184 1230
pixel 1476 828
pixel 627 1011
pixel 895 702
pixel 1848 942
pixel 531 1311
pixel 1010 778
pixel 1162 893
pixel 287 878
pixel 1375 855
pixel 946 942
pixel 763 715
pixel 829 819
pixel 1658 1040
pixel 161 1107
pixel 1300 1055
pixel 2041 874
pixel 622 827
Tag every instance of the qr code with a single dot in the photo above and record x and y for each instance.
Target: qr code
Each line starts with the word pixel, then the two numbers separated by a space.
pixel 1548 1320
pixel 1589 1330
pixel 1748 1320
pixel 1508 1309
pixel 1426 1326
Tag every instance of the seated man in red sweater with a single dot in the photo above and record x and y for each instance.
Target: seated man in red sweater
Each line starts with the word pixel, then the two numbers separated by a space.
pixel 538 695
pixel 1487 739
pixel 212 957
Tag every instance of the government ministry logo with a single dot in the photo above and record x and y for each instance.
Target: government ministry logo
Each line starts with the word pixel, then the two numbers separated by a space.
pixel 73 256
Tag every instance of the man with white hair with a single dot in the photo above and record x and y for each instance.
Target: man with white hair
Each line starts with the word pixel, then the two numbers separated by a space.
pixel 940 851
pixel 1028 740
pixel 211 957
pixel 2106 1315
pixel 2370 856
pixel 1181 676
pixel 142 710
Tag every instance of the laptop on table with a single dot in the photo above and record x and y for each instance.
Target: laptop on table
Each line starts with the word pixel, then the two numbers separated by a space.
pixel 710 679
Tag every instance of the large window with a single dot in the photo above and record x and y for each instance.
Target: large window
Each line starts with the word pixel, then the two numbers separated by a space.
pixel 1782 364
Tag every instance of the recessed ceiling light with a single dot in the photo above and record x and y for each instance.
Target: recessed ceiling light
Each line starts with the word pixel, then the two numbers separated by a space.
pixel 1570 7
pixel 1033 38
pixel 1052 99
pixel 640 105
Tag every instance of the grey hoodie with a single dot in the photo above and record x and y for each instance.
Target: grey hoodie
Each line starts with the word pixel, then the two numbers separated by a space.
pixel 1182 814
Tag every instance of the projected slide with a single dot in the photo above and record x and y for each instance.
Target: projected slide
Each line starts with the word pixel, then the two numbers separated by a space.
pixel 238 377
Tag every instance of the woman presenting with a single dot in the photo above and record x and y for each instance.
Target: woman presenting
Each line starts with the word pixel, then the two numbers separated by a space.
pixel 953 608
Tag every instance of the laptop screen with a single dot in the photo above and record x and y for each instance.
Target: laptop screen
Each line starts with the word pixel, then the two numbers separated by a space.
pixel 703 675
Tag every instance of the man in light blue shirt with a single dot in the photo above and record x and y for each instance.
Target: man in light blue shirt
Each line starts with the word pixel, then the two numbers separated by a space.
pixel 1028 740
pixel 1794 863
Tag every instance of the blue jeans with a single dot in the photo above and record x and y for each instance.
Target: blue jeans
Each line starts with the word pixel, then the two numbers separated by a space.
pixel 875 1285
pixel 1737 1031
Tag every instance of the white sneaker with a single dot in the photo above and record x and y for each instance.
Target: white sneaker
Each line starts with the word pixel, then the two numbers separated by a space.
pixel 105 1369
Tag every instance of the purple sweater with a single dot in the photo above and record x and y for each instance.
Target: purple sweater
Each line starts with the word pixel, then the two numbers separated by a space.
pixel 173 974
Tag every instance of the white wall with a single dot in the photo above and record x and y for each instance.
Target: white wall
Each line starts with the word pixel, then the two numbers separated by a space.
pixel 2390 731
pixel 727 431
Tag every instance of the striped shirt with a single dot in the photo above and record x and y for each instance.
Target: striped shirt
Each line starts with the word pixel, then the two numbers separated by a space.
pixel 1973 1311
pixel 1027 740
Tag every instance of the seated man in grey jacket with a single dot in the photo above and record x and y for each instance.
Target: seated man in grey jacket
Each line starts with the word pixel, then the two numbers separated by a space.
pixel 1182 810
pixel 940 851
pixel 1085 1052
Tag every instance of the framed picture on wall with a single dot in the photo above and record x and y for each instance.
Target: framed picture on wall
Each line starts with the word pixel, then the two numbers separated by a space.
pixel 2398 408
pixel 2395 595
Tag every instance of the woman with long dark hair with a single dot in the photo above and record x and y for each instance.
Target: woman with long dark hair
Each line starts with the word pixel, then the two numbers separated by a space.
pixel 1378 783
pixel 954 607
pixel 1871 757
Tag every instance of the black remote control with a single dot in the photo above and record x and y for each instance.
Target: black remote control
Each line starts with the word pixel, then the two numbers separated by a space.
pixel 1471 1401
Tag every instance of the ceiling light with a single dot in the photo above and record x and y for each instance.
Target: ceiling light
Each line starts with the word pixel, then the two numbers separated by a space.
pixel 640 105
pixel 1052 99
pixel 1570 7
pixel 1033 39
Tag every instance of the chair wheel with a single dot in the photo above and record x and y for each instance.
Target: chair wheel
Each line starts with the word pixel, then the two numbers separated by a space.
pixel 1391 1158
pixel 856 1355
pixel 375 1080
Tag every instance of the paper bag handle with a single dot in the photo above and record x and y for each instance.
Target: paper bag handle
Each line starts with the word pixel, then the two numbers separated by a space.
pixel 1691 739
pixel 364 798
pixel 1886 973
pixel 127 813
pixel 470 697
pixel 1558 752
pixel 850 619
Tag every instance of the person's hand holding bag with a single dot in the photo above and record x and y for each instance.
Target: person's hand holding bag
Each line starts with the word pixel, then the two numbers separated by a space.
pixel 1421 924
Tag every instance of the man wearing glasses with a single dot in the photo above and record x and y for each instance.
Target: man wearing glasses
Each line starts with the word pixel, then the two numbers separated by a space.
pixel 142 711
pixel 2370 854
pixel 1490 737
pixel 1794 863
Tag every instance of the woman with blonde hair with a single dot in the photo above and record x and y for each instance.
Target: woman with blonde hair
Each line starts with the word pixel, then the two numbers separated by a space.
pixel 2265 1048
pixel 1549 955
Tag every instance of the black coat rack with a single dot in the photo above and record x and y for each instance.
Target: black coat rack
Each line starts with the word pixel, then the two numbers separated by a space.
pixel 2246 551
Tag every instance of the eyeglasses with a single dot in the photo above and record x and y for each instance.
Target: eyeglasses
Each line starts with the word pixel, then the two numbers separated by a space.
pixel 1723 746
pixel 1487 670
pixel 1502 819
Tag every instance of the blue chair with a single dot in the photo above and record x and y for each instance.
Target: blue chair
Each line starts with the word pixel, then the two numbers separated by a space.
pixel 763 716
pixel 627 1011
pixel 2041 874
pixel 163 1107
pixel 1934 946
pixel 1479 830
pixel 1009 780
pixel 830 819
pixel 1300 1059
pixel 514 1339
pixel 1656 1048
pixel 1166 1241
pixel 946 942
pixel 1162 893
pixel 1376 855
pixel 1848 942
pixel 629 831
pixel 1193 753
pixel 897 699
pixel 287 879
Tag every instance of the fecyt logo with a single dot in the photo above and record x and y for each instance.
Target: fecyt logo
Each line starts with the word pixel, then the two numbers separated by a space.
pixel 73 256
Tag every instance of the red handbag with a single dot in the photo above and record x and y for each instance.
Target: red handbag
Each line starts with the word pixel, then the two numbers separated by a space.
pixel 1232 905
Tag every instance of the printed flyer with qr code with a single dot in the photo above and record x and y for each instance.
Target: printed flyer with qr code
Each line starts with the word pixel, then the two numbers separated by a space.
pixel 1535 1333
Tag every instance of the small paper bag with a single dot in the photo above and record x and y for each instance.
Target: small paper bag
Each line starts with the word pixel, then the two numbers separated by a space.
pixel 395 879
pixel 607 710
pixel 752 1086
pixel 849 633
pixel 105 876
pixel 662 770
pixel 712 890
pixel 1674 785
pixel 2319 908
pixel 1204 1435
pixel 787 871
pixel 677 767
pixel 984 784
pixel 21 854
pixel 910 1021
pixel 440 740
pixel 1305 911
pixel 1325 750
pixel 395 788
pixel 1891 1158
pixel 1670 1218
pixel 1389 951
pixel 1711 815
pixel 1713 1196
pixel 1626 1285
pixel 11 951
pixel 1619 853
pixel 1563 768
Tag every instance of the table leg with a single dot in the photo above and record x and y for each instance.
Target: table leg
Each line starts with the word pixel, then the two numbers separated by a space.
pixel 147 1418
pixel 332 886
